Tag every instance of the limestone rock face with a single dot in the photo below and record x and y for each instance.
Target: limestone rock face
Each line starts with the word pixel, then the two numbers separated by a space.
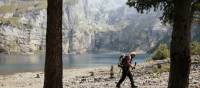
pixel 88 25
pixel 28 37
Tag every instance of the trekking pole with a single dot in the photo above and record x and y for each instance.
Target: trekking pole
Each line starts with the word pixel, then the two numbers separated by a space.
pixel 134 66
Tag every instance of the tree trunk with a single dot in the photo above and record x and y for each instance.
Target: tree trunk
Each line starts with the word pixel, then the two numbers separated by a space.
pixel 180 45
pixel 53 64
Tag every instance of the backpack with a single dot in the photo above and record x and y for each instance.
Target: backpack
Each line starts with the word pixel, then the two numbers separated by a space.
pixel 123 61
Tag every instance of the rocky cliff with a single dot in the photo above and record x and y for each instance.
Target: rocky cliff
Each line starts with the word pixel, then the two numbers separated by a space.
pixel 88 25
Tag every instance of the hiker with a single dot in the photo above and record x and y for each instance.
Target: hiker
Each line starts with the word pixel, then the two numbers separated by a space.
pixel 125 64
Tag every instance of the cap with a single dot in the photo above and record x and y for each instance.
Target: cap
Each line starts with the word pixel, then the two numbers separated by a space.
pixel 132 53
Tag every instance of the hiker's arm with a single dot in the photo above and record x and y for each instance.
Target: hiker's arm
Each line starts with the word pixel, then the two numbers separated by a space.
pixel 129 64
pixel 133 67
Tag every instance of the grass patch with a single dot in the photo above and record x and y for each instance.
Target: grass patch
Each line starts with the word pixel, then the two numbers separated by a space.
pixel 164 68
pixel 14 21
pixel 23 6
pixel 6 9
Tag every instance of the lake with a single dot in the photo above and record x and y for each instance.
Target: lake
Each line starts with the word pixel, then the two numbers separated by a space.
pixel 31 63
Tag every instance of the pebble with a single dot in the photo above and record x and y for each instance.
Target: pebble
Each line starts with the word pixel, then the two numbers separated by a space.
pixel 144 78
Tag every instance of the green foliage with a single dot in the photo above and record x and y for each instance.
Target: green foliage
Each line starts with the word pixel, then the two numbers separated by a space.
pixel 146 5
pixel 161 53
pixel 167 6
pixel 197 6
pixel 195 48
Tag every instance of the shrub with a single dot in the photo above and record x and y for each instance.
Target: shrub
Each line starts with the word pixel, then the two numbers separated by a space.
pixel 195 48
pixel 161 53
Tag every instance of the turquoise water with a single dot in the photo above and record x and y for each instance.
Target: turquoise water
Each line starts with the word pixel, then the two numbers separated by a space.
pixel 30 63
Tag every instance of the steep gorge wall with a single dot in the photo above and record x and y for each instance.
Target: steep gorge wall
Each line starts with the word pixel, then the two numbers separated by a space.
pixel 26 38
pixel 87 25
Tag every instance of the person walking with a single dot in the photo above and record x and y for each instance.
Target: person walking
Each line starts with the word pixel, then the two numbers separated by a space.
pixel 126 66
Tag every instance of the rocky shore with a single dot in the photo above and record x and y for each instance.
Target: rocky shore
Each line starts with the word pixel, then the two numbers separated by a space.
pixel 150 74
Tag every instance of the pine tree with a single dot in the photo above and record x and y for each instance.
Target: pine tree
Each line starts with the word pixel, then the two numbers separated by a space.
pixel 179 14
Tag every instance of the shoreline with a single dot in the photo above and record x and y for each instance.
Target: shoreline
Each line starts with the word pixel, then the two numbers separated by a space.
pixel 64 70
pixel 36 79
pixel 146 75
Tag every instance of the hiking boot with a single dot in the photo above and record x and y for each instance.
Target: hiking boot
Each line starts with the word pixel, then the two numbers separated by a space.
pixel 118 87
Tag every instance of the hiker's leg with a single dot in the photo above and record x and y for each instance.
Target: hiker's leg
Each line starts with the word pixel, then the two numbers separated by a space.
pixel 130 76
pixel 121 79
